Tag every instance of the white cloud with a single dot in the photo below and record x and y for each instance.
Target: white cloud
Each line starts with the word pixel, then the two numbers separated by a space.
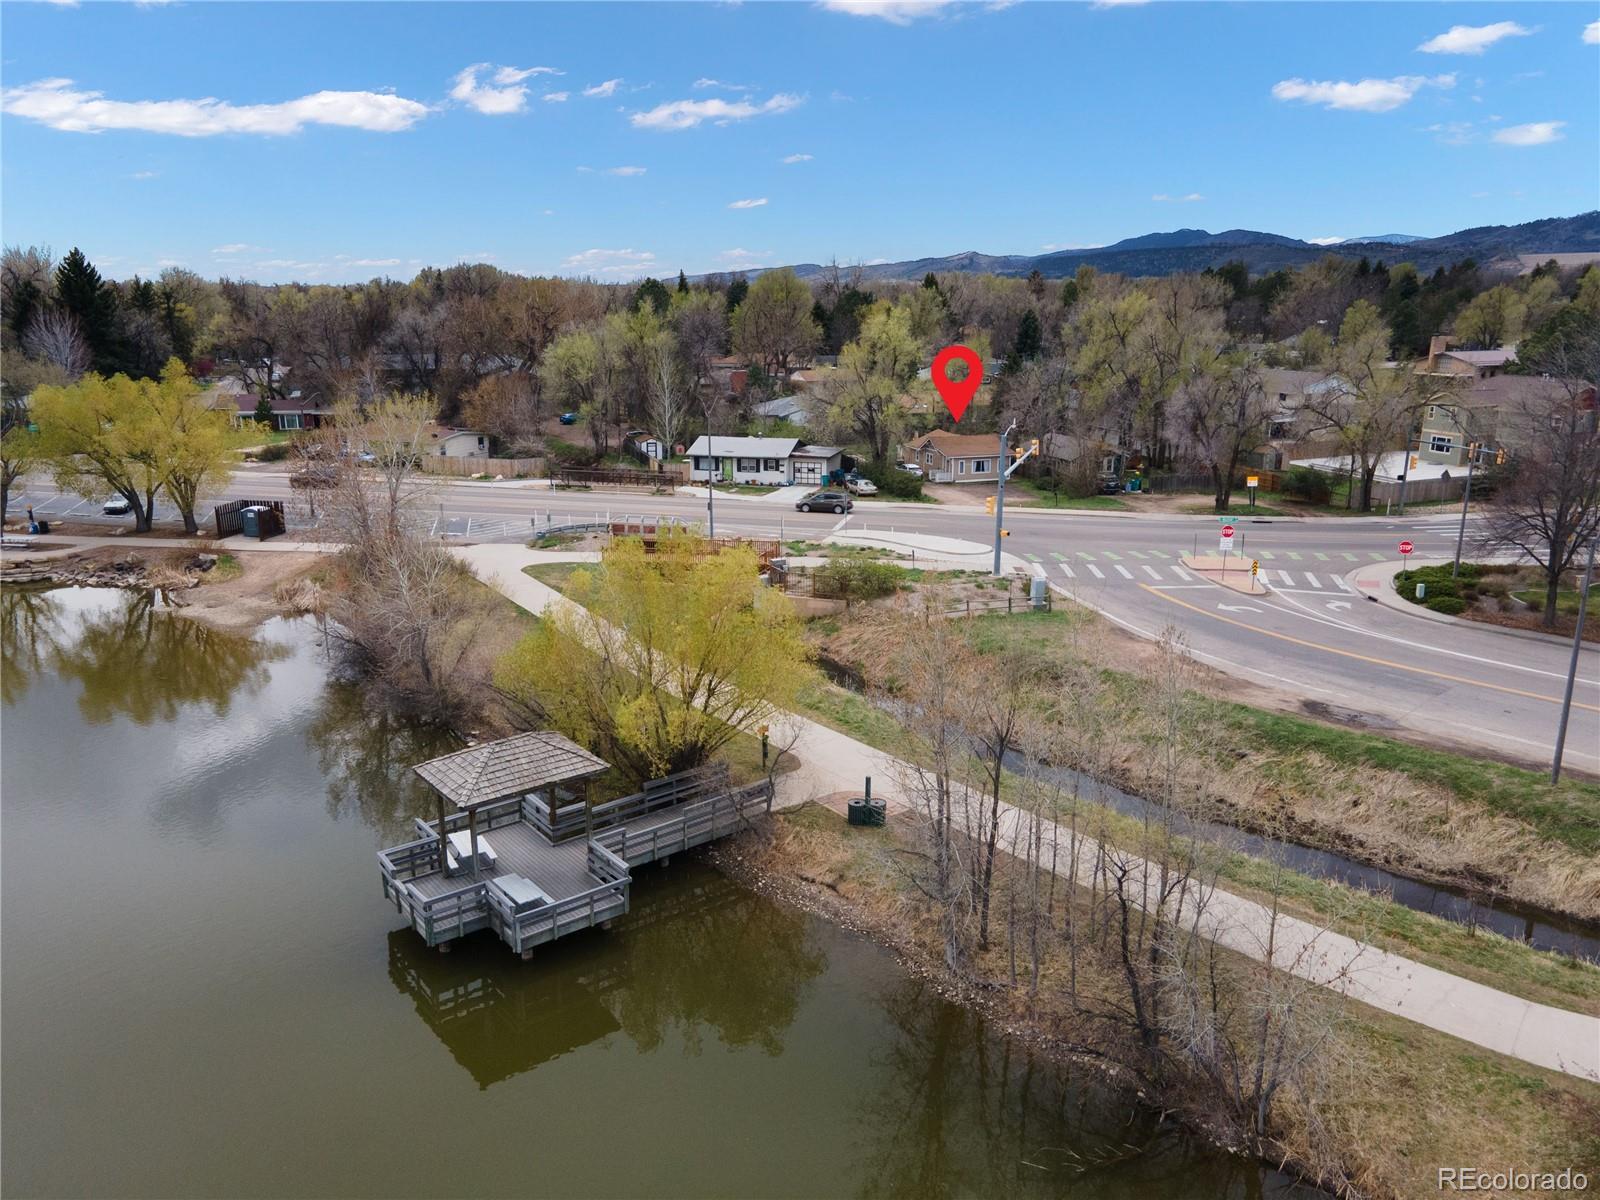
pixel 1325 241
pixel 611 262
pixel 703 82
pixel 1188 199
pixel 600 90
pixel 144 175
pixel 1117 3
pixel 1453 133
pixel 796 158
pixel 740 258
pixel 686 114
pixel 1537 133
pixel 1368 95
pixel 56 103
pixel 625 170
pixel 506 95
pixel 347 261
pixel 896 12
pixel 749 203
pixel 1472 39
pixel 238 248
pixel 555 97
pixel 1591 33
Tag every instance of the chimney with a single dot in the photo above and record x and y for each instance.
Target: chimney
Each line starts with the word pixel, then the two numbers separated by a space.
pixel 1437 345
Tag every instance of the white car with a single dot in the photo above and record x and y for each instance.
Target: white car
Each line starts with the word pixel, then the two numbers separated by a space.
pixel 117 506
pixel 909 469
pixel 862 487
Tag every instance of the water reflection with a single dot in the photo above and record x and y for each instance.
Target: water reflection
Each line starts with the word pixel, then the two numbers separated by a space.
pixel 367 754
pixel 130 658
pixel 698 955
pixel 960 1110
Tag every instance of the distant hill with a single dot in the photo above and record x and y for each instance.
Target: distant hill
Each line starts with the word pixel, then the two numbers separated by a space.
pixel 1197 249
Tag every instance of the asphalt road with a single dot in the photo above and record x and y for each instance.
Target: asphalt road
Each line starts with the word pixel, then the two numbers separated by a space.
pixel 1308 634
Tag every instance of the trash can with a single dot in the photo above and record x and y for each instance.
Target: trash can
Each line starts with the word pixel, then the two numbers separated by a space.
pixel 1037 595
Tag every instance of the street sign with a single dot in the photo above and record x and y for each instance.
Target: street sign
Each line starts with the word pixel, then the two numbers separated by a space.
pixel 1252 481
pixel 1406 547
pixel 1255 566
pixel 1227 532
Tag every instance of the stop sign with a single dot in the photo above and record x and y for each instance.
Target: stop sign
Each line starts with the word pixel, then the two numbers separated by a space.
pixel 1406 547
pixel 1227 531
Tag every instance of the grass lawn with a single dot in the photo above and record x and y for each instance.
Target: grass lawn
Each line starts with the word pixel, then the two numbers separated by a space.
pixel 1044 498
pixel 555 574
pixel 226 570
pixel 1566 600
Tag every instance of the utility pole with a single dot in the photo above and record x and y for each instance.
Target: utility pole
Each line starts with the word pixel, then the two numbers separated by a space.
pixel 1000 493
pixel 1466 499
pixel 1572 669
pixel 711 472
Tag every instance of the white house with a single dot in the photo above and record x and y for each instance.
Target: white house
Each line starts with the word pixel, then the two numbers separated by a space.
pixel 458 443
pixel 760 460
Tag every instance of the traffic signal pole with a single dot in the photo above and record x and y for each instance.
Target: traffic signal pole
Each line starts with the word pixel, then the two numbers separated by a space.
pixel 1000 493
pixel 1572 670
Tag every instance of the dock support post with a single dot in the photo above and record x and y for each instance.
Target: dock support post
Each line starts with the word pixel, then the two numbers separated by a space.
pixel 527 954
pixel 444 947
pixel 472 835
pixel 444 862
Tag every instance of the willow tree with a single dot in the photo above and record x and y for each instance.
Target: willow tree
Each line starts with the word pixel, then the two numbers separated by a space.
pixel 663 658
pixel 773 324
pixel 101 437
pixel 875 371
pixel 198 441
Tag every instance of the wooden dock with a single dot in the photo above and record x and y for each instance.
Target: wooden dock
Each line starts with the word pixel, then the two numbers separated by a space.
pixel 577 856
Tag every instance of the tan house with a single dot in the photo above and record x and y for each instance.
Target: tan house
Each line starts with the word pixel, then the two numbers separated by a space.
pixel 1491 413
pixel 457 443
pixel 1464 364
pixel 955 457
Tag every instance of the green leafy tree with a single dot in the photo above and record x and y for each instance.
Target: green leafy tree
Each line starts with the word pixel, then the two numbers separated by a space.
pixel 1492 318
pixel 875 371
pixel 102 437
pixel 197 451
pixel 773 325
pixel 664 658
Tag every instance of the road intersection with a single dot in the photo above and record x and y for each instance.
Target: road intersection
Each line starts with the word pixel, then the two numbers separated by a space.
pixel 1310 631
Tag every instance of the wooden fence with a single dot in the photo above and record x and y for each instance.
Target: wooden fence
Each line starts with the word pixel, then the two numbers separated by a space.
pixel 621 477
pixel 230 521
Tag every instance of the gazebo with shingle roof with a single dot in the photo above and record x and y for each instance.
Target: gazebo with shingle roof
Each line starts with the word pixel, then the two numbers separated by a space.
pixel 506 769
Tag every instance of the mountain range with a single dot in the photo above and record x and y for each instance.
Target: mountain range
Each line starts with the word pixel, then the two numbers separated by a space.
pixel 1197 249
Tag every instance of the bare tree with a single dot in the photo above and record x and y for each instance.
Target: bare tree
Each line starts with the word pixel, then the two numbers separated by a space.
pixel 53 337
pixel 1220 414
pixel 667 399
pixel 1548 507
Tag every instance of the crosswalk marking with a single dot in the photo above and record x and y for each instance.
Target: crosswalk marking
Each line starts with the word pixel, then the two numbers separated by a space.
pixel 1375 556
pixel 1321 557
pixel 1137 553
pixel 1312 580
pixel 1123 571
pixel 1085 555
pixel 1294 554
pixel 1265 554
pixel 1343 586
pixel 1152 572
pixel 1182 574
pixel 1348 557
pixel 1112 556
pixel 1288 579
pixel 1057 557
pixel 1031 557
pixel 1067 571
pixel 1160 554
pixel 1096 572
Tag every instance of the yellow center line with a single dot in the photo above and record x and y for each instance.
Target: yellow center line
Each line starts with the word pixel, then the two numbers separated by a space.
pixel 1381 662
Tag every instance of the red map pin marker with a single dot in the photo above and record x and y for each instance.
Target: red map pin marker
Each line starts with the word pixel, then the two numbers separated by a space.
pixel 956 393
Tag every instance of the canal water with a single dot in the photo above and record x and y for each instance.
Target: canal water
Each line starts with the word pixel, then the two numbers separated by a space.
pixel 205 994
pixel 1538 927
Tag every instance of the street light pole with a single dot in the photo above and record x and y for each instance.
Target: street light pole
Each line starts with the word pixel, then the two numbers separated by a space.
pixel 1572 669
pixel 1466 499
pixel 1000 494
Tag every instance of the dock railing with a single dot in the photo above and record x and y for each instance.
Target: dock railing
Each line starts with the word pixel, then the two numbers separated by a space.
pixel 698 822
pixel 607 899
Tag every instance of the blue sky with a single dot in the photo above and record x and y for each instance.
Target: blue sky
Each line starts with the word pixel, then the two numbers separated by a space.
pixel 335 142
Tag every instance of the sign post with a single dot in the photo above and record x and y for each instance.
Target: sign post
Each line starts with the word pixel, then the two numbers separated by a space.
pixel 1406 548
pixel 1227 541
pixel 1252 482
pixel 1255 569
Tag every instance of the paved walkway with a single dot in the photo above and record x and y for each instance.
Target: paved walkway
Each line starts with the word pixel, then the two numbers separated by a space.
pixel 64 545
pixel 832 762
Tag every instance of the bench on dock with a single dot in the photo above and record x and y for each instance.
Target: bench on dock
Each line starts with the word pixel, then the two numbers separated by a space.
pixel 522 893
pixel 460 852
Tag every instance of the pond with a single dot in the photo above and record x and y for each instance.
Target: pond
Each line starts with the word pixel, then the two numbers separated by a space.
pixel 205 994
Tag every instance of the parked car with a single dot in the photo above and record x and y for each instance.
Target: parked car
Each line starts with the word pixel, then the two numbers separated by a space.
pixel 837 502
pixel 117 506
pixel 909 469
pixel 569 418
pixel 862 486
pixel 1110 485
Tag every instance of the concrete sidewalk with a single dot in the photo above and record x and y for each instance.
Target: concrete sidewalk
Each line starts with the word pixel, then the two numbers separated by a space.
pixel 832 762
pixel 72 544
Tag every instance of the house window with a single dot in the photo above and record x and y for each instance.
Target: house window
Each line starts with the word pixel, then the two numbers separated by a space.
pixel 289 421
pixel 927 458
pixel 1432 409
pixel 1441 445
pixel 961 466
pixel 1283 397
pixel 749 464
pixel 980 465
pixel 770 464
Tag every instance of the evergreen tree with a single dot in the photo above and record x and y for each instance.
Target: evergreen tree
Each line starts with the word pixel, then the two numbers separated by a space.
pixel 653 292
pixel 683 282
pixel 738 289
pixel 1030 340
pixel 83 293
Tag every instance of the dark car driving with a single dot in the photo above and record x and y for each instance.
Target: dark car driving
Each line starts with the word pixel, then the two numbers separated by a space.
pixel 837 502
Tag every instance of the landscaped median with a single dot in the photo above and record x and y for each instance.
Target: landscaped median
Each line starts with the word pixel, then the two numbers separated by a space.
pixel 1509 595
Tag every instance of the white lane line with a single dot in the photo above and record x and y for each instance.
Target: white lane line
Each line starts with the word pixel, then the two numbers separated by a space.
pixel 843 521
pixel 1122 570
pixel 1182 574
pixel 1067 571
pixel 1343 586
pixel 1152 572
pixel 1316 583
pixel 1096 572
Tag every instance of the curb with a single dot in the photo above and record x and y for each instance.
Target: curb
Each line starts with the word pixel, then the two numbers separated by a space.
pixel 1382 575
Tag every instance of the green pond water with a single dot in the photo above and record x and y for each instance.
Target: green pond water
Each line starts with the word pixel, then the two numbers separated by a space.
pixel 204 993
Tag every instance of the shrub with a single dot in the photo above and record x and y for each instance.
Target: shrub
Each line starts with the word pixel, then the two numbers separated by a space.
pixel 569 454
pixel 1446 604
pixel 854 579
pixel 276 452
pixel 1307 484
pixel 902 485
